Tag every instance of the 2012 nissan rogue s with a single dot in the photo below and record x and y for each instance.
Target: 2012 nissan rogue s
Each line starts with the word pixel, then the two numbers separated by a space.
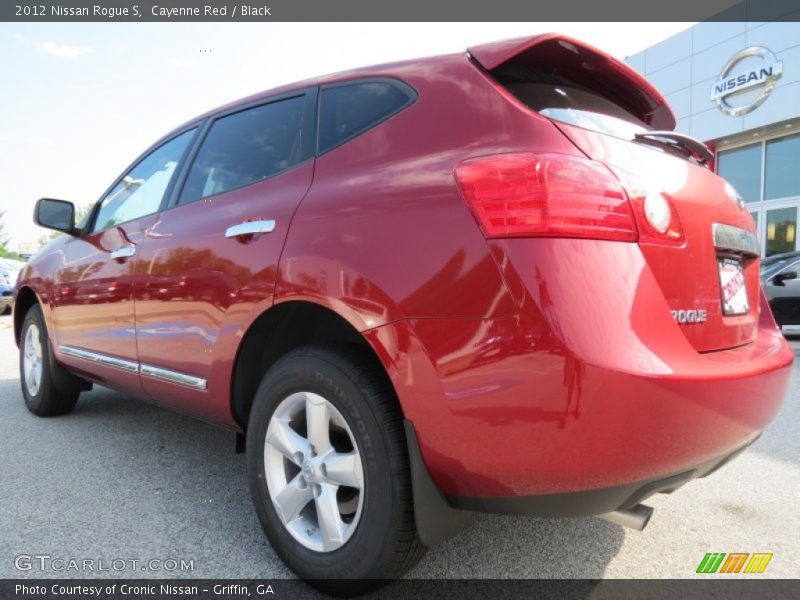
pixel 492 281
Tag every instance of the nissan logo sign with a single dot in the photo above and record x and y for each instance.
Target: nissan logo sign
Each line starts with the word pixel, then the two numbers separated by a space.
pixel 752 82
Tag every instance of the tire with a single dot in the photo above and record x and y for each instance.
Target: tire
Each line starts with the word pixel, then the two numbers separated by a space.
pixel 43 399
pixel 380 542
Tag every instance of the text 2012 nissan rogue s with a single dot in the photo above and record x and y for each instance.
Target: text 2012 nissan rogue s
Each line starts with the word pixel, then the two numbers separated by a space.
pixel 491 281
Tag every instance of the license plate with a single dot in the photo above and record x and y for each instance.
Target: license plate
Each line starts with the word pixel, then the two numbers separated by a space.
pixel 732 285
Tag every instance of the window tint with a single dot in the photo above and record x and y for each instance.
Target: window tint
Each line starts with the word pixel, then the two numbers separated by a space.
pixel 771 267
pixel 246 147
pixel 795 268
pixel 141 190
pixel 347 110
pixel 571 104
pixel 782 175
pixel 742 168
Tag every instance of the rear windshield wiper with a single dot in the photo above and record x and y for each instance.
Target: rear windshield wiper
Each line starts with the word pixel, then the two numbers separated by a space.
pixel 694 147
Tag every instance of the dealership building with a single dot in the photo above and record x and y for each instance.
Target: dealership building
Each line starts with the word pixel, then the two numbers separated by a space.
pixel 736 86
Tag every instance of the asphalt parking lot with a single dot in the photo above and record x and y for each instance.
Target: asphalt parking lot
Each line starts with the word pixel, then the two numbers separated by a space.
pixel 118 478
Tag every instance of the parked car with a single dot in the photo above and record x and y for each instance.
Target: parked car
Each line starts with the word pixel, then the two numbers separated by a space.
pixel 9 271
pixel 780 276
pixel 490 281
pixel 6 294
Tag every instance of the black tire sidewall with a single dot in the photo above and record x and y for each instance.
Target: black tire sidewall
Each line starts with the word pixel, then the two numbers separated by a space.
pixel 370 547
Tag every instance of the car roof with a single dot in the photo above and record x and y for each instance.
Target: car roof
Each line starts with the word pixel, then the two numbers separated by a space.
pixel 392 69
pixel 490 53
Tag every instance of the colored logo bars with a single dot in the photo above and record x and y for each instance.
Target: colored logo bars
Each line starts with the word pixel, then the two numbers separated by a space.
pixel 736 562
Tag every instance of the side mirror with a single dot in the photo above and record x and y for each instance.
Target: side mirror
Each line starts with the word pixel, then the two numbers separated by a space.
pixel 55 214
pixel 781 277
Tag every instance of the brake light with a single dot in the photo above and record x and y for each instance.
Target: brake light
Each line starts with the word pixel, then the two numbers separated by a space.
pixel 547 195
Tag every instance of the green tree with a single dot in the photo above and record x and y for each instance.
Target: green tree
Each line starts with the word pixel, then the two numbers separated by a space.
pixel 3 235
pixel 5 251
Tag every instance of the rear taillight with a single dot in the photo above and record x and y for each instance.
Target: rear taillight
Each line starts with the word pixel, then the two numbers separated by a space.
pixel 546 195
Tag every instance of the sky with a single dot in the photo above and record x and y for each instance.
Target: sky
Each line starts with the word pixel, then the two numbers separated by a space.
pixel 81 101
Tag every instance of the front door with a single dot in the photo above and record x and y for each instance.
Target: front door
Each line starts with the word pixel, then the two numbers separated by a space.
pixel 211 259
pixel 94 300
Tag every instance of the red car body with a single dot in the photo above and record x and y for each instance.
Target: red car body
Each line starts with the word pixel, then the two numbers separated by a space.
pixel 530 366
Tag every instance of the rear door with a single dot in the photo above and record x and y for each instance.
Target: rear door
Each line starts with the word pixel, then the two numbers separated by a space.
pixel 716 267
pixel 708 272
pixel 210 260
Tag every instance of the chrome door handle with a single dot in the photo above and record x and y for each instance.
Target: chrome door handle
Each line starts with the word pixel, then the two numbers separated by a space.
pixel 125 252
pixel 249 228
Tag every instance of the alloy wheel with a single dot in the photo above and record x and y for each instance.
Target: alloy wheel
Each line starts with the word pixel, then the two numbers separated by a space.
pixel 32 359
pixel 314 473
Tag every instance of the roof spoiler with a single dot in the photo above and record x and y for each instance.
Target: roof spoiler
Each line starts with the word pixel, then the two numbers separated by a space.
pixel 606 75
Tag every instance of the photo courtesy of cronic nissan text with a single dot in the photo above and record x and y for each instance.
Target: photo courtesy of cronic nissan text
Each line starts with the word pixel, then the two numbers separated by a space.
pixel 453 300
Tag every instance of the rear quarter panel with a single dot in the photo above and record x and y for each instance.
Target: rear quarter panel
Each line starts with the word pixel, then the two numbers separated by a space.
pixel 383 233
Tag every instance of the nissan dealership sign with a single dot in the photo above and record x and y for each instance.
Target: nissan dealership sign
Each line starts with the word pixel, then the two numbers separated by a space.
pixel 746 81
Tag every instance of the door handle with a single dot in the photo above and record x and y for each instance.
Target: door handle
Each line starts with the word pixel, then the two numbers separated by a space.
pixel 250 228
pixel 124 252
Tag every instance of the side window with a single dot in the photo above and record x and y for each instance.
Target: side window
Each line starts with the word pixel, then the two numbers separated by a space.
pixel 795 268
pixel 141 190
pixel 246 147
pixel 347 110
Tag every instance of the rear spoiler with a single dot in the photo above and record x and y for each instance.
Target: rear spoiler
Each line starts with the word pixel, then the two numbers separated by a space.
pixel 602 73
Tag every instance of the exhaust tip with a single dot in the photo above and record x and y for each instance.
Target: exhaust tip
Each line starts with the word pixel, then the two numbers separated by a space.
pixel 634 518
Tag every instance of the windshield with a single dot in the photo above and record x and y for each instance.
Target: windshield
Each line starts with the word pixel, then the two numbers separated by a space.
pixel 770 266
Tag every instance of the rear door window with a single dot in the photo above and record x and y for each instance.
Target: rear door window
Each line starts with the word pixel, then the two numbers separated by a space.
pixel 246 147
pixel 348 110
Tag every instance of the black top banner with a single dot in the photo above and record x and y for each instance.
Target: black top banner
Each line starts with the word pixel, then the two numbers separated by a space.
pixel 399 10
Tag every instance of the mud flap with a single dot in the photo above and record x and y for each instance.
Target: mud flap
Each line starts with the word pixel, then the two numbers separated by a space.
pixel 436 520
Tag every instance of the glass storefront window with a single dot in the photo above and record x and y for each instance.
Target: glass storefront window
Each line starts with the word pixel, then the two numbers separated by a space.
pixel 781 230
pixel 742 168
pixel 782 176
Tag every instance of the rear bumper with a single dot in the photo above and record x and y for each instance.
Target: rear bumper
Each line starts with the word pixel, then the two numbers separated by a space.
pixel 591 502
pixel 591 389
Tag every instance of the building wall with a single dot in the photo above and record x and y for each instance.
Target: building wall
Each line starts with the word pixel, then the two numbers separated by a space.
pixel 758 153
pixel 685 66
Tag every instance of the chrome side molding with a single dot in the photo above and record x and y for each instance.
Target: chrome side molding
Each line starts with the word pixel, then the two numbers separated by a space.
pixel 103 359
pixel 173 376
pixel 734 239
pixel 131 366
pixel 250 228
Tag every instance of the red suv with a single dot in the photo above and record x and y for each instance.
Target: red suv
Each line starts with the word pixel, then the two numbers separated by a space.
pixel 492 281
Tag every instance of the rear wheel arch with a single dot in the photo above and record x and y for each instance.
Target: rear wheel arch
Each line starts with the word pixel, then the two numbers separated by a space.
pixel 283 328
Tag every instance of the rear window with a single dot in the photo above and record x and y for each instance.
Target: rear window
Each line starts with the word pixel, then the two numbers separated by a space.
pixel 560 98
pixel 348 110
